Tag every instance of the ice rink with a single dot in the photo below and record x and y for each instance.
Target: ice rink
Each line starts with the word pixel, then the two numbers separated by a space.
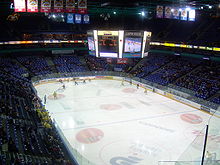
pixel 110 124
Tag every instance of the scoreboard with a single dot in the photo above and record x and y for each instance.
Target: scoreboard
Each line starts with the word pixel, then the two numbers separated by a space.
pixel 108 43
pixel 118 44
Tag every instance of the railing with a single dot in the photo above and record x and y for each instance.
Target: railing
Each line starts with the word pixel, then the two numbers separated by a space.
pixel 192 155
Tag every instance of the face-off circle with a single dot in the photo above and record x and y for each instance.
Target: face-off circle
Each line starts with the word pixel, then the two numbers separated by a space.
pixel 59 96
pixel 90 135
pixel 110 107
pixel 191 118
pixel 129 90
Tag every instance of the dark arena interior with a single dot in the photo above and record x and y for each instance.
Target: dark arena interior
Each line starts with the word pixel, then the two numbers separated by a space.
pixel 67 68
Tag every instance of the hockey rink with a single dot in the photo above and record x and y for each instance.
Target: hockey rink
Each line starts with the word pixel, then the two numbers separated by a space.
pixel 112 124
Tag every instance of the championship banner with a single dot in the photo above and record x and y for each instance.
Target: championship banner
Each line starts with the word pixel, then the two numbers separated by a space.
pixel 32 5
pixel 86 19
pixel 70 18
pixel 168 13
pixel 78 18
pixel 46 6
pixel 183 15
pixel 19 6
pixel 175 13
pixel 82 6
pixel 58 6
pixel 159 11
pixel 70 6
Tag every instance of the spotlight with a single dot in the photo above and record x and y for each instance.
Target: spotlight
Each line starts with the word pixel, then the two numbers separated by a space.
pixel 210 7
pixel 143 13
pixel 172 10
pixel 180 9
pixel 202 7
pixel 114 12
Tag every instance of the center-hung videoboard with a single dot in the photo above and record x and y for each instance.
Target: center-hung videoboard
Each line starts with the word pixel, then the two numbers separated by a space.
pixel 118 44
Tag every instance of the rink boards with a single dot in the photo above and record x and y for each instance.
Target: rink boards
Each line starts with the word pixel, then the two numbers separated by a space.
pixel 148 87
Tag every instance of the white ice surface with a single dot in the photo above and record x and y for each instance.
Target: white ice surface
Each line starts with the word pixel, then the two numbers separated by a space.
pixel 147 126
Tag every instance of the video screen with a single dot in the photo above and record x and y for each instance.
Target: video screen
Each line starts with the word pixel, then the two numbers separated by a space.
pixel 132 45
pixel 91 43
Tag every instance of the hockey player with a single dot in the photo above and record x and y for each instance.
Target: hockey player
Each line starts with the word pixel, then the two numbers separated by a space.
pixel 145 91
pixel 54 95
pixel 122 83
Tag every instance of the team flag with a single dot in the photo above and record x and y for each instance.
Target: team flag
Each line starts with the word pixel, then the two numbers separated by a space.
pixel 82 6
pixel 183 15
pixel 86 19
pixel 70 6
pixel 168 13
pixel 46 6
pixel 159 11
pixel 70 18
pixel 58 6
pixel 32 5
pixel 78 18
pixel 19 6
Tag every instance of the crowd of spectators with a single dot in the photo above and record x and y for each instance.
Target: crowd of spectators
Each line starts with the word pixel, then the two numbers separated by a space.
pixel 204 80
pixel 27 135
pixel 35 64
pixel 65 64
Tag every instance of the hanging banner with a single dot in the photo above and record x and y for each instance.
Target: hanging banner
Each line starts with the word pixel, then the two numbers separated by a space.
pixel 192 15
pixel 58 6
pixel 183 15
pixel 86 19
pixel 78 18
pixel 46 6
pixel 19 6
pixel 159 12
pixel 168 13
pixel 32 5
pixel 70 6
pixel 175 13
pixel 82 6
pixel 70 18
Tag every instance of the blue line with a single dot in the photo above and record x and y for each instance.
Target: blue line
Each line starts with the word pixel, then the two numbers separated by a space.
pixel 118 122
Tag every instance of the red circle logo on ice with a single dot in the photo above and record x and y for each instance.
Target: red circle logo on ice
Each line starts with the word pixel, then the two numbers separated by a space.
pixel 191 118
pixel 59 96
pixel 110 107
pixel 129 90
pixel 90 135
